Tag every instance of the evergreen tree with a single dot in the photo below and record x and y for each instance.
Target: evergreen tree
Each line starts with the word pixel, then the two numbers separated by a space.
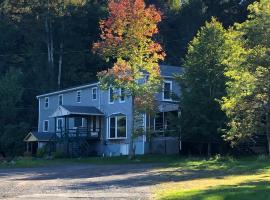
pixel 202 83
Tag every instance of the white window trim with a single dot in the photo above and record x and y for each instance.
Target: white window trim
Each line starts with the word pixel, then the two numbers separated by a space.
pixel 94 88
pixel 46 98
pixel 109 95
pixel 60 95
pixel 58 119
pixel 108 129
pixel 170 99
pixel 120 100
pixel 44 126
pixel 78 91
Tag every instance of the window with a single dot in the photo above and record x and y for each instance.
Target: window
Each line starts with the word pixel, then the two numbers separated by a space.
pixel 78 97
pixel 59 125
pixel 167 90
pixel 46 126
pixel 118 127
pixel 46 104
pixel 94 93
pixel 122 95
pixel 60 100
pixel 78 122
pixel 111 99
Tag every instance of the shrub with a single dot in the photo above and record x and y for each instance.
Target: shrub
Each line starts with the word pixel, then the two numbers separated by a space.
pixel 27 154
pixel 41 153
pixel 59 154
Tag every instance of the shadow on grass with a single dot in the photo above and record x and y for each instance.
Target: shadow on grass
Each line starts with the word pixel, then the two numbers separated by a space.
pixel 255 190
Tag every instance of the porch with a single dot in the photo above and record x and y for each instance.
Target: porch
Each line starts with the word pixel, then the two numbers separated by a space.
pixel 78 122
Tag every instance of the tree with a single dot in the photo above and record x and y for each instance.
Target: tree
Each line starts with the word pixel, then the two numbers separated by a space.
pixel 127 38
pixel 202 83
pixel 247 103
pixel 11 141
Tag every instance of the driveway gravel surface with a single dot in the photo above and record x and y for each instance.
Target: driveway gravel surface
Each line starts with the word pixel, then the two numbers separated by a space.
pixel 83 181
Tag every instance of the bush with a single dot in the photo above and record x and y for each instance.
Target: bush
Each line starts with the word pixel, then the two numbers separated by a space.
pixel 41 153
pixel 27 154
pixel 59 154
pixel 11 139
pixel 262 157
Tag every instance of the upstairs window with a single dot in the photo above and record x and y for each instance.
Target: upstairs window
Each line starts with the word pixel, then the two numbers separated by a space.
pixel 111 98
pixel 78 99
pixel 117 127
pixel 167 90
pixel 46 126
pixel 122 95
pixel 46 103
pixel 60 100
pixel 94 93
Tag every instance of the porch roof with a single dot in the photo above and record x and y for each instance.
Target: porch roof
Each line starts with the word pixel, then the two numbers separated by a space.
pixel 65 110
pixel 167 106
pixel 35 136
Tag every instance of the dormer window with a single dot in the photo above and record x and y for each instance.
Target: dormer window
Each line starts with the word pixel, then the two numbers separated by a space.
pixel 78 98
pixel 60 100
pixel 94 93
pixel 167 91
pixel 46 103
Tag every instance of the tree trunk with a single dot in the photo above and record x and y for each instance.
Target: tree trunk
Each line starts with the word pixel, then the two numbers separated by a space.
pixel 131 153
pixel 209 149
pixel 60 65
pixel 268 130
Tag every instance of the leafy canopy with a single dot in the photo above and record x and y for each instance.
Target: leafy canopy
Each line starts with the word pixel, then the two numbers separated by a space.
pixel 127 38
pixel 247 103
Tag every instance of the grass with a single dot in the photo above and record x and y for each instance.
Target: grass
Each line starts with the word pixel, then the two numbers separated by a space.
pixel 29 162
pixel 217 179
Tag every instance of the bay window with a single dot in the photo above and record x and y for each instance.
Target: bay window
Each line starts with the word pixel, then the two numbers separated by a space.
pixel 117 127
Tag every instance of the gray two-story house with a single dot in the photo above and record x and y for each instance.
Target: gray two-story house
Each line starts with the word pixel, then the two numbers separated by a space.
pixel 88 120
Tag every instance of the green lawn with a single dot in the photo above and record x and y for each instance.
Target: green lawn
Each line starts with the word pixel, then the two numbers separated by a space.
pixel 38 162
pixel 218 179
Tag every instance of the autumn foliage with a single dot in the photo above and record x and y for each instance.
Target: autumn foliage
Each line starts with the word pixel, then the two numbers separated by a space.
pixel 127 38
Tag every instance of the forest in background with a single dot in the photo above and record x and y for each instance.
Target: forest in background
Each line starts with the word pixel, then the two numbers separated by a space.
pixel 37 38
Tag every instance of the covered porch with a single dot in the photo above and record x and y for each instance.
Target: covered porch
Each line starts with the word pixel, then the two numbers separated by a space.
pixel 78 122
pixel 164 122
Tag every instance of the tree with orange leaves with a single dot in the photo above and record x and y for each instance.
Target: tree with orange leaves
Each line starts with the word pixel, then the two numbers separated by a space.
pixel 127 38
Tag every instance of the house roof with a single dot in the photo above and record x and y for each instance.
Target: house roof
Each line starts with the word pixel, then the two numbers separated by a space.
pixel 168 70
pixel 66 110
pixel 165 70
pixel 68 89
pixel 35 136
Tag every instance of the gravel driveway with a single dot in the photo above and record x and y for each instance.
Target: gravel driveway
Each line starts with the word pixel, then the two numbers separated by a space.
pixel 132 181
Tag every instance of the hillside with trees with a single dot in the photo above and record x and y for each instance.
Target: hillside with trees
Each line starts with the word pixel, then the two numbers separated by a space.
pixel 46 46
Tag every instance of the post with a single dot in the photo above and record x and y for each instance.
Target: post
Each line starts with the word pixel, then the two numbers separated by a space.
pixel 99 128
pixel 27 147
pixel 87 126
pixel 179 115
pixel 164 136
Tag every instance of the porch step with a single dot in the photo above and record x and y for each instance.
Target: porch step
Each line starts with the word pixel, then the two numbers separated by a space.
pixel 79 147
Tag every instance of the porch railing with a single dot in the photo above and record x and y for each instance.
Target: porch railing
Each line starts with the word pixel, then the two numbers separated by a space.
pixel 80 132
